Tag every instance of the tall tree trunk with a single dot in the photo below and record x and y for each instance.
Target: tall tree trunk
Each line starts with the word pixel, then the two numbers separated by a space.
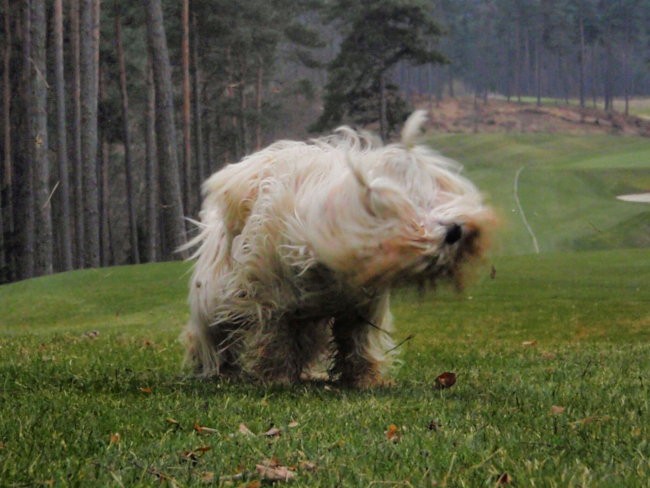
pixel 199 152
pixel 62 143
pixel 77 161
pixel 173 220
pixel 38 139
pixel 103 175
pixel 126 135
pixel 24 168
pixel 151 175
pixel 383 120
pixel 187 121
pixel 89 66
pixel 538 71
pixel 258 105
pixel 582 60
pixel 6 185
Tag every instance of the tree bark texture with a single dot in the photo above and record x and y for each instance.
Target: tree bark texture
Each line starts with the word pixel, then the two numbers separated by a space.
pixel 199 151
pixel 89 52
pixel 170 188
pixel 126 136
pixel 151 174
pixel 65 222
pixel 75 131
pixel 6 200
pixel 187 121
pixel 38 139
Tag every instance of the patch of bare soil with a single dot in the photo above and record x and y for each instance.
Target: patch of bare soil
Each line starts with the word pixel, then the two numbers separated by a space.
pixel 465 115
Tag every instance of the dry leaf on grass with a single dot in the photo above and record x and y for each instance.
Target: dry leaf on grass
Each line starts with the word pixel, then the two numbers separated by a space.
pixel 172 421
pixel 146 389
pixel 393 433
pixel 245 430
pixel 504 479
pixel 307 466
pixel 293 424
pixel 557 410
pixel 115 438
pixel 445 380
pixel 529 343
pixel 207 477
pixel 204 430
pixel 275 473
pixel 273 432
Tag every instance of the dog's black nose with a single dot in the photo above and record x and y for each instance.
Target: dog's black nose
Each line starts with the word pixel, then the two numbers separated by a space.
pixel 454 233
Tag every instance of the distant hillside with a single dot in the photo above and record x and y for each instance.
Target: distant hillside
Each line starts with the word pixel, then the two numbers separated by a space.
pixel 464 115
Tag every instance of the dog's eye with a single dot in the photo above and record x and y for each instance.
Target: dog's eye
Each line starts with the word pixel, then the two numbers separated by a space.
pixel 454 233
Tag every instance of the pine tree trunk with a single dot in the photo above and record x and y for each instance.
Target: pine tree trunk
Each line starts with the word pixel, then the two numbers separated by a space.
pixel 24 169
pixel 170 188
pixel 38 138
pixel 383 121
pixel 582 60
pixel 103 175
pixel 89 65
pixel 126 135
pixel 77 162
pixel 62 143
pixel 6 185
pixel 187 121
pixel 151 175
pixel 258 105
pixel 198 111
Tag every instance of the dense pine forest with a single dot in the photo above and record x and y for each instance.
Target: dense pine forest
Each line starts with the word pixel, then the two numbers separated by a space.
pixel 114 112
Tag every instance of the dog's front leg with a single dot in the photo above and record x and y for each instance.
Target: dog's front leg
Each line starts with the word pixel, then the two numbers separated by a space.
pixel 363 345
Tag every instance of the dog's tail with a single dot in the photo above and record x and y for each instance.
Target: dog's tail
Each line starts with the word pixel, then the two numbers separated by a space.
pixel 413 127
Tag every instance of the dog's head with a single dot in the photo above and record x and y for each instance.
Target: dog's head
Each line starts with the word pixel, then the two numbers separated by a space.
pixel 423 221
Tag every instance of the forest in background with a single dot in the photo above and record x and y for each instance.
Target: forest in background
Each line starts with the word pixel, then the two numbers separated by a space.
pixel 113 112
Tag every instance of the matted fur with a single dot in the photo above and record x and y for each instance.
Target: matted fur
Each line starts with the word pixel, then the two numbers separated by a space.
pixel 300 243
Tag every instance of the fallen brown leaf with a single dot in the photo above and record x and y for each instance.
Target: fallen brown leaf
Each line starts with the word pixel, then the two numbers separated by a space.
pixel 273 432
pixel 504 479
pixel 393 433
pixel 557 410
pixel 307 465
pixel 204 430
pixel 207 477
pixel 115 438
pixel 146 389
pixel 275 473
pixel 245 430
pixel 529 343
pixel 445 380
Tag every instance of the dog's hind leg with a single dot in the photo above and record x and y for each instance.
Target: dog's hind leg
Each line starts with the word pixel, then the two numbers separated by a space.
pixel 363 345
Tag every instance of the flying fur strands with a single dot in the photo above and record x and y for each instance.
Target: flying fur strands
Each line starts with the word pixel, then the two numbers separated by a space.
pixel 300 244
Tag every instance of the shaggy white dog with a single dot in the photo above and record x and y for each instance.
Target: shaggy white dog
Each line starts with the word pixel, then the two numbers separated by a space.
pixel 301 243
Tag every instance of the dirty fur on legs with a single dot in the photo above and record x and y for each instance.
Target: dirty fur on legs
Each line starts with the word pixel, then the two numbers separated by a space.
pixel 300 244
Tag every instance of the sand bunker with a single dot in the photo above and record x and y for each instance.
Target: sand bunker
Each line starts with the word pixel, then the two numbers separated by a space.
pixel 636 197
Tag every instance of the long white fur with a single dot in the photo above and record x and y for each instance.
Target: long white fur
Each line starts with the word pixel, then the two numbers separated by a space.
pixel 367 212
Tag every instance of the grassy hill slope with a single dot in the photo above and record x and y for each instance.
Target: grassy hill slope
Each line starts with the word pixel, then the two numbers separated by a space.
pixel 551 356
pixel 567 187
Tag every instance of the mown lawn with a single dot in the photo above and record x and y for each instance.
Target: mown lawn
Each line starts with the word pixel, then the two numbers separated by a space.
pixel 552 359
pixel 551 354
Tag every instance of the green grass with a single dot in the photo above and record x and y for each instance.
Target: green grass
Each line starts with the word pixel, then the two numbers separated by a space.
pixel 92 393
pixel 567 188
